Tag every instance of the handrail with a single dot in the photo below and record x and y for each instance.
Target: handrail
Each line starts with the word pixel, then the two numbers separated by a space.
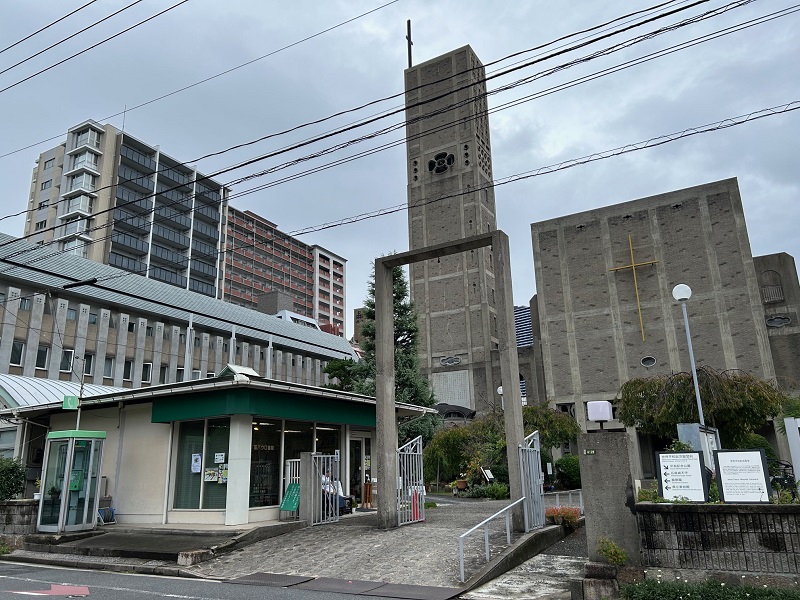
pixel 484 524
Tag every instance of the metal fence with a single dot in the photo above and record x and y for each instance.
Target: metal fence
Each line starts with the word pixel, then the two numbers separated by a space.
pixel 530 462
pixel 325 485
pixel 410 483
pixel 505 512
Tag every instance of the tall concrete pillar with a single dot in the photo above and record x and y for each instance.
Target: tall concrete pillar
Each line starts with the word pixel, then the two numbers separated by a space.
pixel 101 344
pixel 9 325
pixel 317 372
pixel 245 358
pixel 204 343
pixel 307 364
pixel 158 344
pixel 122 346
pixel 279 366
pixel 138 353
pixel 57 336
pixel 257 359
pixel 509 369
pixel 219 344
pixel 78 373
pixel 174 346
pixel 385 424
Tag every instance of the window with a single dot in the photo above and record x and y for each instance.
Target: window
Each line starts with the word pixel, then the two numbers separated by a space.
pixel 87 137
pixel 66 360
pixel 148 331
pixel 147 372
pixel 131 327
pixel 47 184
pixel 182 338
pixel 210 375
pixel 195 374
pixel 162 374
pixel 179 374
pixel 92 318
pixel 48 164
pixel 40 225
pixel 127 370
pixel 43 204
pixel 82 181
pixel 76 247
pixel 17 352
pixel 88 364
pixel 85 159
pixel 41 357
pixel 108 367
pixel 196 342
pixel 71 314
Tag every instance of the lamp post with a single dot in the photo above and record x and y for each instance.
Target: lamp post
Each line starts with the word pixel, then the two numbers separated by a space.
pixel 682 293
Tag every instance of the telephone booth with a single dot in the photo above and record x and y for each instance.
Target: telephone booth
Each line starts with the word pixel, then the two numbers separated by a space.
pixel 70 476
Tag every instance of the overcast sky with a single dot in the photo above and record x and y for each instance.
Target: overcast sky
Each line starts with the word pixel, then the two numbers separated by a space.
pixel 364 60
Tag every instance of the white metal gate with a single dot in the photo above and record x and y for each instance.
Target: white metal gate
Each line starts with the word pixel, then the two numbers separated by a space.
pixel 410 483
pixel 291 474
pixel 530 462
pixel 325 485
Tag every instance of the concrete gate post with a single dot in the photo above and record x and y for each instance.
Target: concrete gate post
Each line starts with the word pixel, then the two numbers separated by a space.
pixel 385 424
pixel 308 504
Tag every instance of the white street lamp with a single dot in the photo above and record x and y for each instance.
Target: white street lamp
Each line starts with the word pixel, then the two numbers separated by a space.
pixel 682 293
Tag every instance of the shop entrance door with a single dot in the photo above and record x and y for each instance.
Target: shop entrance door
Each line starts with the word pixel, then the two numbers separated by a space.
pixel 360 464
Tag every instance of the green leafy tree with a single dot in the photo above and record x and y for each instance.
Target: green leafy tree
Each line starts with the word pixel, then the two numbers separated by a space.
pixel 12 478
pixel 410 386
pixel 343 371
pixel 734 401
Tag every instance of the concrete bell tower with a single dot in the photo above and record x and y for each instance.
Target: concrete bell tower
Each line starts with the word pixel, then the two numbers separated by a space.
pixel 450 197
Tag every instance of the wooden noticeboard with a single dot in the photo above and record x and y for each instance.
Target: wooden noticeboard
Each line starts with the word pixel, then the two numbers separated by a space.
pixel 291 499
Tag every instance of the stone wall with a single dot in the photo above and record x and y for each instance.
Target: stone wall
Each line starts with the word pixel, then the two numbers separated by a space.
pixel 17 519
pixel 762 538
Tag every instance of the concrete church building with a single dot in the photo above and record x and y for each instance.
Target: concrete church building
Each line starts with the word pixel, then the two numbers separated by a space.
pixel 604 297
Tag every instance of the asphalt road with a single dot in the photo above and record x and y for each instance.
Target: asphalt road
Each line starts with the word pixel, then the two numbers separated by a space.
pixel 19 580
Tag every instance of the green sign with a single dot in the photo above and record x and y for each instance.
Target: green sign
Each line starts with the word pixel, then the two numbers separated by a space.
pixel 75 480
pixel 291 499
pixel 70 403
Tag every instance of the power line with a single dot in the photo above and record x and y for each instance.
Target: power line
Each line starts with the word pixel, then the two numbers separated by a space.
pixel 626 149
pixel 61 62
pixel 583 59
pixel 77 33
pixel 366 105
pixel 172 93
pixel 29 36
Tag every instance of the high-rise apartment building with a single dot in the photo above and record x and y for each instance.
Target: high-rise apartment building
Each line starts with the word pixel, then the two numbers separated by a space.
pixel 109 197
pixel 261 259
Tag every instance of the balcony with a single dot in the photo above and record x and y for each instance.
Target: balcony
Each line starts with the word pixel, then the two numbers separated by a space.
pixel 126 263
pixel 135 180
pixel 175 218
pixel 75 227
pixel 173 198
pixel 88 138
pixel 207 195
pixel 130 222
pixel 133 201
pixel 135 158
pixel 174 177
pixel 128 243
pixel 199 247
pixel 84 182
pixel 78 206
pixel 84 161
pixel 168 257
pixel 206 231
pixel 202 269
pixel 167 276
pixel 202 288
pixel 172 238
pixel 207 213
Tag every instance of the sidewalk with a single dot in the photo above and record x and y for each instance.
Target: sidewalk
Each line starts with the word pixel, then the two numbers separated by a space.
pixel 422 554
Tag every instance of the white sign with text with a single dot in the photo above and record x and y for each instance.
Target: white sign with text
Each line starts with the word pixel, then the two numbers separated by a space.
pixel 742 476
pixel 680 476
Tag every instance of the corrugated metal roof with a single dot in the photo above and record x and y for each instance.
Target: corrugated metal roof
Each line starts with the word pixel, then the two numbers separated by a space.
pixel 142 295
pixel 17 391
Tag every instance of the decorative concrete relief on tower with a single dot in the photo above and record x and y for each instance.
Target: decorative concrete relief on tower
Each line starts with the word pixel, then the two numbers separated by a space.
pixel 441 162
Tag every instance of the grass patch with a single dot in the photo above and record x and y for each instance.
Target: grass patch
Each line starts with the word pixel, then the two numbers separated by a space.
pixel 430 505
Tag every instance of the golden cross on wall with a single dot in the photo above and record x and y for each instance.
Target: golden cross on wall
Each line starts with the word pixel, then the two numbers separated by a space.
pixel 632 267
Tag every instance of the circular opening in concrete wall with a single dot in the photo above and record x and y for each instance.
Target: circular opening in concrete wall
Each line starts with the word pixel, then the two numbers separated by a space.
pixel 648 361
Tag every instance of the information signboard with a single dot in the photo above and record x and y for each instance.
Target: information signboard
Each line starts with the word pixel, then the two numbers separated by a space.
pixel 291 499
pixel 681 476
pixel 742 476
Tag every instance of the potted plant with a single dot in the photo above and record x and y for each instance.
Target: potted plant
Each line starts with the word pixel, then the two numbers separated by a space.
pixel 37 494
pixel 54 493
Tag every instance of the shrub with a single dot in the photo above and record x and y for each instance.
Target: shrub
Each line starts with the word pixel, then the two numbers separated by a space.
pixel 5 549
pixel 497 491
pixel 12 478
pixel 678 446
pixel 568 471
pixel 647 495
pixel 567 515
pixel 611 551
